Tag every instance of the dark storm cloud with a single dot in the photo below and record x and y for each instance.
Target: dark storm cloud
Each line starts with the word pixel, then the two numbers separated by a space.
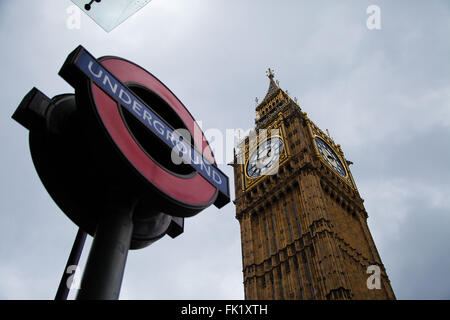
pixel 417 273
pixel 421 157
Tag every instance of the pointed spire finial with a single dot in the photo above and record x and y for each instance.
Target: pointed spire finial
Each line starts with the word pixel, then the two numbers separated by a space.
pixel 270 73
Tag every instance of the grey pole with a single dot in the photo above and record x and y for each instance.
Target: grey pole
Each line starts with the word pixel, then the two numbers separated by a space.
pixel 105 266
pixel 74 258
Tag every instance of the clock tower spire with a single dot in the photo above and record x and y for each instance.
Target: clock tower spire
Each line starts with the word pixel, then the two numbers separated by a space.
pixel 303 225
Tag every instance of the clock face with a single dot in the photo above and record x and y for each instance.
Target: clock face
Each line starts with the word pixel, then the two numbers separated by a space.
pixel 330 157
pixel 264 157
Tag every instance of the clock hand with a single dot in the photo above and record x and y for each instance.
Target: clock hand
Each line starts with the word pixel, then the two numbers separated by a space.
pixel 260 163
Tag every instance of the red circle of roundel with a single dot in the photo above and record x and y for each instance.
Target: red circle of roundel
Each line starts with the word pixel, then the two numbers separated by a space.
pixel 194 190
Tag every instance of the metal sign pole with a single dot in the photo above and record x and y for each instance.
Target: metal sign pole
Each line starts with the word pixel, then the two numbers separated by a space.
pixel 74 258
pixel 105 266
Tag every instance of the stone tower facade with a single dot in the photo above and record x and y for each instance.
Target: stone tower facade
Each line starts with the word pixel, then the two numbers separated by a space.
pixel 303 225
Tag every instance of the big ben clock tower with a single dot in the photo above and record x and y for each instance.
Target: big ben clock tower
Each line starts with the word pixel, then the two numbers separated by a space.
pixel 303 225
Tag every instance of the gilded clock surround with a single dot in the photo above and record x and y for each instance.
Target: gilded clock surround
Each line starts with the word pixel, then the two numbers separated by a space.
pixel 282 157
pixel 315 131
pixel 334 152
pixel 304 229
pixel 249 182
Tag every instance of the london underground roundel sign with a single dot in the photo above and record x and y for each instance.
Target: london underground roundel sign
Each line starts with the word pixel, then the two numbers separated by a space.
pixel 139 115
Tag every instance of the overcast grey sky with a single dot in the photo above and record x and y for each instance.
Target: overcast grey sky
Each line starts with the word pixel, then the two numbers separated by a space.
pixel 383 94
